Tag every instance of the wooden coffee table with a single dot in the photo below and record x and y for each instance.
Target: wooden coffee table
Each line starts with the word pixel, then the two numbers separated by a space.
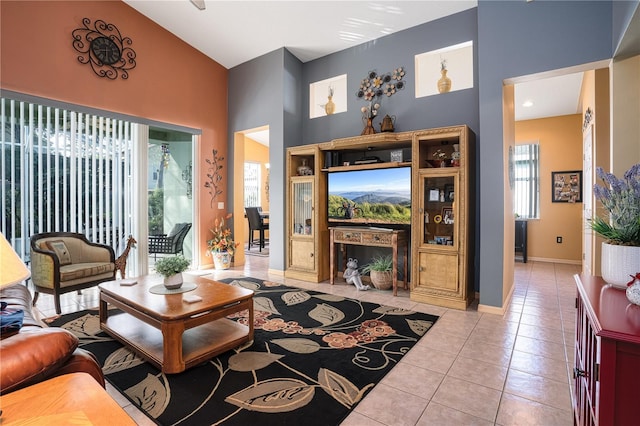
pixel 170 333
pixel 70 399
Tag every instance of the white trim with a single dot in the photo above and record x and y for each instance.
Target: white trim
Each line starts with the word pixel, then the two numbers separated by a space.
pixel 549 260
pixel 139 205
pixel 195 183
pixel 495 310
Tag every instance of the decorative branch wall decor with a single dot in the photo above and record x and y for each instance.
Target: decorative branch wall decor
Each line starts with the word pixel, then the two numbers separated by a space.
pixel 103 47
pixel 214 176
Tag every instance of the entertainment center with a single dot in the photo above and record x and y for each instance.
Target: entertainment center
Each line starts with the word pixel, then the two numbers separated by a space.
pixel 416 181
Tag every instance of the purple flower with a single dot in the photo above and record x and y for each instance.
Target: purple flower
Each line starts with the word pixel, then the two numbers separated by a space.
pixel 621 198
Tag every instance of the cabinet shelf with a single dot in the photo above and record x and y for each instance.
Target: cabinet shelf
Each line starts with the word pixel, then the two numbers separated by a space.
pixel 370 166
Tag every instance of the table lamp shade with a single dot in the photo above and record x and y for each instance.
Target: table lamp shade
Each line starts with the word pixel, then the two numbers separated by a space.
pixel 12 268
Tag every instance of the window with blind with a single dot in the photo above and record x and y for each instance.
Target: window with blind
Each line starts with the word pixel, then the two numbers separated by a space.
pixel 527 181
pixel 64 171
pixel 251 184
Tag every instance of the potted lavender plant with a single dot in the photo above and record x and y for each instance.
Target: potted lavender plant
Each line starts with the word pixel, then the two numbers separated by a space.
pixel 621 229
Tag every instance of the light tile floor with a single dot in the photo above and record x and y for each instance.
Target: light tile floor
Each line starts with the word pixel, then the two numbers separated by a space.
pixel 471 368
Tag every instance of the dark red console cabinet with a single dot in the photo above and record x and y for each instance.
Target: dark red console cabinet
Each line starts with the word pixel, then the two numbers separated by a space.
pixel 607 360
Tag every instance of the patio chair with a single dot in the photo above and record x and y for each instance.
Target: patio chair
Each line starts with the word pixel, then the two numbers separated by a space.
pixel 171 243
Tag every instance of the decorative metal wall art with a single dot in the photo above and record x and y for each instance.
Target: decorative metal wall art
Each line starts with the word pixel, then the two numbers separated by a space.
pixel 103 47
pixel 588 115
pixel 372 88
pixel 214 176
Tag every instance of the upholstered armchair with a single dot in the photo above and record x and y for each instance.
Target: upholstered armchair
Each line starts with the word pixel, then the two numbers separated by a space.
pixel 62 262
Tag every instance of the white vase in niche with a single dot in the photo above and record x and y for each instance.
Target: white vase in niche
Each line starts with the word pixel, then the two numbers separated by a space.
pixel 618 263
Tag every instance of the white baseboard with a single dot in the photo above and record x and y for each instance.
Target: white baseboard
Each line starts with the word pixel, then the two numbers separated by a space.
pixel 495 310
pixel 498 310
pixel 549 260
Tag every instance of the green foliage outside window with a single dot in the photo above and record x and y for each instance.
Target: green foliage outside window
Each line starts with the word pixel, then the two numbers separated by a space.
pixel 156 212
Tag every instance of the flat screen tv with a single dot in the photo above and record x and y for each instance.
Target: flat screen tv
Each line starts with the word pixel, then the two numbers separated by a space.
pixel 370 197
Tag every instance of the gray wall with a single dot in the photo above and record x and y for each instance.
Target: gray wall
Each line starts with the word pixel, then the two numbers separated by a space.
pixel 384 55
pixel 257 93
pixel 623 12
pixel 626 28
pixel 516 39
pixel 511 39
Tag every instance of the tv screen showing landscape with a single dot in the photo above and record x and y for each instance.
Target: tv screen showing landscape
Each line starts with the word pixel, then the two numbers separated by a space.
pixel 370 197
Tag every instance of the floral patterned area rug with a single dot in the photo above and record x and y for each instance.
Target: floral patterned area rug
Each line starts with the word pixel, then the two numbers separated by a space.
pixel 313 358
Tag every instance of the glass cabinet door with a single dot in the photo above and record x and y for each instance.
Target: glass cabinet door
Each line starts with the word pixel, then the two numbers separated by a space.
pixel 438 209
pixel 302 206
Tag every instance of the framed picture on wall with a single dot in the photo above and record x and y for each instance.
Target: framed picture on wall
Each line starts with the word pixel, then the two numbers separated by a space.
pixel 566 187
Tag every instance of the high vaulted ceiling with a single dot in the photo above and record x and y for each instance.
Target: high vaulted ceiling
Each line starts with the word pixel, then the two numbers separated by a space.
pixel 233 32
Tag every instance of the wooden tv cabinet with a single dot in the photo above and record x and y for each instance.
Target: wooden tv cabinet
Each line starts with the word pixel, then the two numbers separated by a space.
pixel 441 235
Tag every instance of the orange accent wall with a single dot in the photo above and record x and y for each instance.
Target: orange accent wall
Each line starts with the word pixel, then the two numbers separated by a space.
pixel 172 82
pixel 560 150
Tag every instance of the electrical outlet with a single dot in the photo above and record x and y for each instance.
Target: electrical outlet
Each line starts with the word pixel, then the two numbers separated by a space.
pixel 559 240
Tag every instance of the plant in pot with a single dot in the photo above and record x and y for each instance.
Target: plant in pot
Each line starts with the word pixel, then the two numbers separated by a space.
pixel 621 228
pixel 222 246
pixel 380 269
pixel 171 268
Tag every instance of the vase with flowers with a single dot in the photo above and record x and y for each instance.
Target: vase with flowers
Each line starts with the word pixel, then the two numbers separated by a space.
pixel 621 229
pixel 222 246
pixel 330 106
pixel 372 88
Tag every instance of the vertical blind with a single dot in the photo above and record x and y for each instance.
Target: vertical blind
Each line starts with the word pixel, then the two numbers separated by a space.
pixel 527 181
pixel 64 171
pixel 251 185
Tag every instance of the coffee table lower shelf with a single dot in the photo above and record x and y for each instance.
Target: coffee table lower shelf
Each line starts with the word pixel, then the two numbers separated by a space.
pixel 198 344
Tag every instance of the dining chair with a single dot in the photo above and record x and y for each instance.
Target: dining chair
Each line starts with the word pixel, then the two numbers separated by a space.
pixel 256 223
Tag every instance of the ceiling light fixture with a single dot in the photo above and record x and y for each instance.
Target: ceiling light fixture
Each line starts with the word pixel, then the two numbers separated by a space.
pixel 199 4
pixel 527 104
